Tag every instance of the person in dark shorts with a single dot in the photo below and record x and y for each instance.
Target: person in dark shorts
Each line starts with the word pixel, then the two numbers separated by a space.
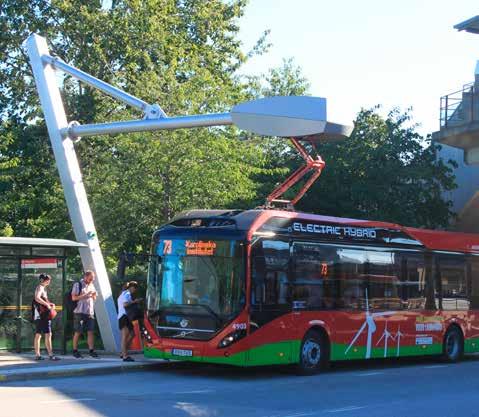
pixel 126 326
pixel 42 318
pixel 84 313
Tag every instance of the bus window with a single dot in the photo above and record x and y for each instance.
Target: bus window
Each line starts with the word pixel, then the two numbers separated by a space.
pixel 314 269
pixel 328 276
pixel 270 272
pixel 331 276
pixel 413 281
pixel 452 274
pixel 352 278
pixel 383 277
pixel 474 283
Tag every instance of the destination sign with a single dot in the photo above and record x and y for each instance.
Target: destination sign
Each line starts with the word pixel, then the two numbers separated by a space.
pixel 200 248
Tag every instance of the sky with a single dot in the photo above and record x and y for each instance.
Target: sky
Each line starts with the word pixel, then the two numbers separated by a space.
pixel 357 54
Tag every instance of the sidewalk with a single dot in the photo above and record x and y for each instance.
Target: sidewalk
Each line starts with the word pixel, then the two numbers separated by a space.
pixel 21 367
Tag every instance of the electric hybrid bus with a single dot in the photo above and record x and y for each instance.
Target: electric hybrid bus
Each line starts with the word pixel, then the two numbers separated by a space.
pixel 263 287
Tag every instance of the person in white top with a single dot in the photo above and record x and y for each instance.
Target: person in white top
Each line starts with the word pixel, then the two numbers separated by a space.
pixel 126 326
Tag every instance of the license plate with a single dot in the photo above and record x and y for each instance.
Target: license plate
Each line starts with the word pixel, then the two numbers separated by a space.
pixel 182 352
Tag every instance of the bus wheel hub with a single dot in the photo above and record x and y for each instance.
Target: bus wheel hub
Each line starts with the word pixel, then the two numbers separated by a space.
pixel 311 352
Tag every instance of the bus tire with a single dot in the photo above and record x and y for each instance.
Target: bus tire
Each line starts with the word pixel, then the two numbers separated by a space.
pixel 314 353
pixel 453 345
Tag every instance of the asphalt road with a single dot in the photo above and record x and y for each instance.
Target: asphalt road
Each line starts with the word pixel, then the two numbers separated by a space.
pixel 406 388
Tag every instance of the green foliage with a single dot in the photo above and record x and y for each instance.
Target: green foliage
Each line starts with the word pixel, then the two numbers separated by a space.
pixel 31 198
pixel 384 171
pixel 184 55
pixel 287 80
pixel 181 54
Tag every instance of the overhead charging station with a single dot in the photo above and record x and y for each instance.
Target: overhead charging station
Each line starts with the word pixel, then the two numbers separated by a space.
pixel 301 119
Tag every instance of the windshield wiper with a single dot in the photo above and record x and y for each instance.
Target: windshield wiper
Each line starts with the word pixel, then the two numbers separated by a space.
pixel 205 306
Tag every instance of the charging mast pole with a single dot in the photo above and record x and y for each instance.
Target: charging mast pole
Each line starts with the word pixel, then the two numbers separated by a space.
pixel 74 189
pixel 296 118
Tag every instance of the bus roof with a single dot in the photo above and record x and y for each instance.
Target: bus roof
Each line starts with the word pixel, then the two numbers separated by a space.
pixel 253 221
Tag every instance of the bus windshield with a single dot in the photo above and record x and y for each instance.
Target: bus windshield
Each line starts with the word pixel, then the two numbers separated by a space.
pixel 201 275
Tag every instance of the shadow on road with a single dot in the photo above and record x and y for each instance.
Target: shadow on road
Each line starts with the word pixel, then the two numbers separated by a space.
pixel 183 389
pixel 226 372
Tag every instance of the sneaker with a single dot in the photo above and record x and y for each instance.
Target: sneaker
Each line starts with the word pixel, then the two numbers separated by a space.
pixel 77 354
pixel 54 358
pixel 39 358
pixel 93 354
pixel 128 359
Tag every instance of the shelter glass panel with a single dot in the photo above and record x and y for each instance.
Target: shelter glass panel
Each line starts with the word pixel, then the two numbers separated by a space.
pixel 30 273
pixel 8 302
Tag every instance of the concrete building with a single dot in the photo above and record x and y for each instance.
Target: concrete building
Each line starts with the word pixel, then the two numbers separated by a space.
pixel 459 133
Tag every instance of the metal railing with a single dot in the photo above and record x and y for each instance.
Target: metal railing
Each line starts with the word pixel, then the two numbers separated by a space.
pixel 454 109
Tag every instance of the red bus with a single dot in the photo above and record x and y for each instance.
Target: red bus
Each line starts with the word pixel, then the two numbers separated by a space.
pixel 263 287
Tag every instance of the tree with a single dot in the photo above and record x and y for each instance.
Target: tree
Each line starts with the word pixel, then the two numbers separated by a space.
pixel 31 198
pixel 184 55
pixel 384 171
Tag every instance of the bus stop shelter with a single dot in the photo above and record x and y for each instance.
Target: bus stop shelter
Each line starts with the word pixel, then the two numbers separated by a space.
pixel 22 260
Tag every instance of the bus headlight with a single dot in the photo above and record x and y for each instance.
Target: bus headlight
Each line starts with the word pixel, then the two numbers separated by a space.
pixel 232 337
pixel 146 335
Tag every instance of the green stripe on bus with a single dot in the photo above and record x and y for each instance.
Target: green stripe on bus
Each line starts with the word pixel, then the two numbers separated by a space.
pixel 288 352
pixel 267 354
pixel 236 359
pixel 471 345
pixel 338 351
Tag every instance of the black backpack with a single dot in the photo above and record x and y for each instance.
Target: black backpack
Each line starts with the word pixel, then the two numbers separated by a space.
pixel 68 302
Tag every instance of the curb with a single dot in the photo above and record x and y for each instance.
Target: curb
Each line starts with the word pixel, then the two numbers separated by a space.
pixel 24 375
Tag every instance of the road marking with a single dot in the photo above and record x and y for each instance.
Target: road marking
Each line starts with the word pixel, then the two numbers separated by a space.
pixel 370 374
pixel 435 366
pixel 204 391
pixel 340 410
pixel 310 413
pixel 67 401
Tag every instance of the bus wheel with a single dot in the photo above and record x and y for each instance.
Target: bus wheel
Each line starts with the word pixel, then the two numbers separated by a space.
pixel 313 355
pixel 453 345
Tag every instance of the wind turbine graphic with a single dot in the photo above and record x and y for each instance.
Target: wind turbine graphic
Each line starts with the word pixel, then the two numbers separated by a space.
pixel 398 338
pixel 386 335
pixel 371 325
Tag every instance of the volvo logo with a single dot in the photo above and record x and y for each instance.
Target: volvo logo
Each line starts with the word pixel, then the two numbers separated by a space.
pixel 184 323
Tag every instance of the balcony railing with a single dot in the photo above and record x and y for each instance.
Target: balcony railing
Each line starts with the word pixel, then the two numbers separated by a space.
pixel 458 108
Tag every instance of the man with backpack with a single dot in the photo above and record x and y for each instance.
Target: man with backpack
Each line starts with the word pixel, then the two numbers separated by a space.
pixel 84 295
